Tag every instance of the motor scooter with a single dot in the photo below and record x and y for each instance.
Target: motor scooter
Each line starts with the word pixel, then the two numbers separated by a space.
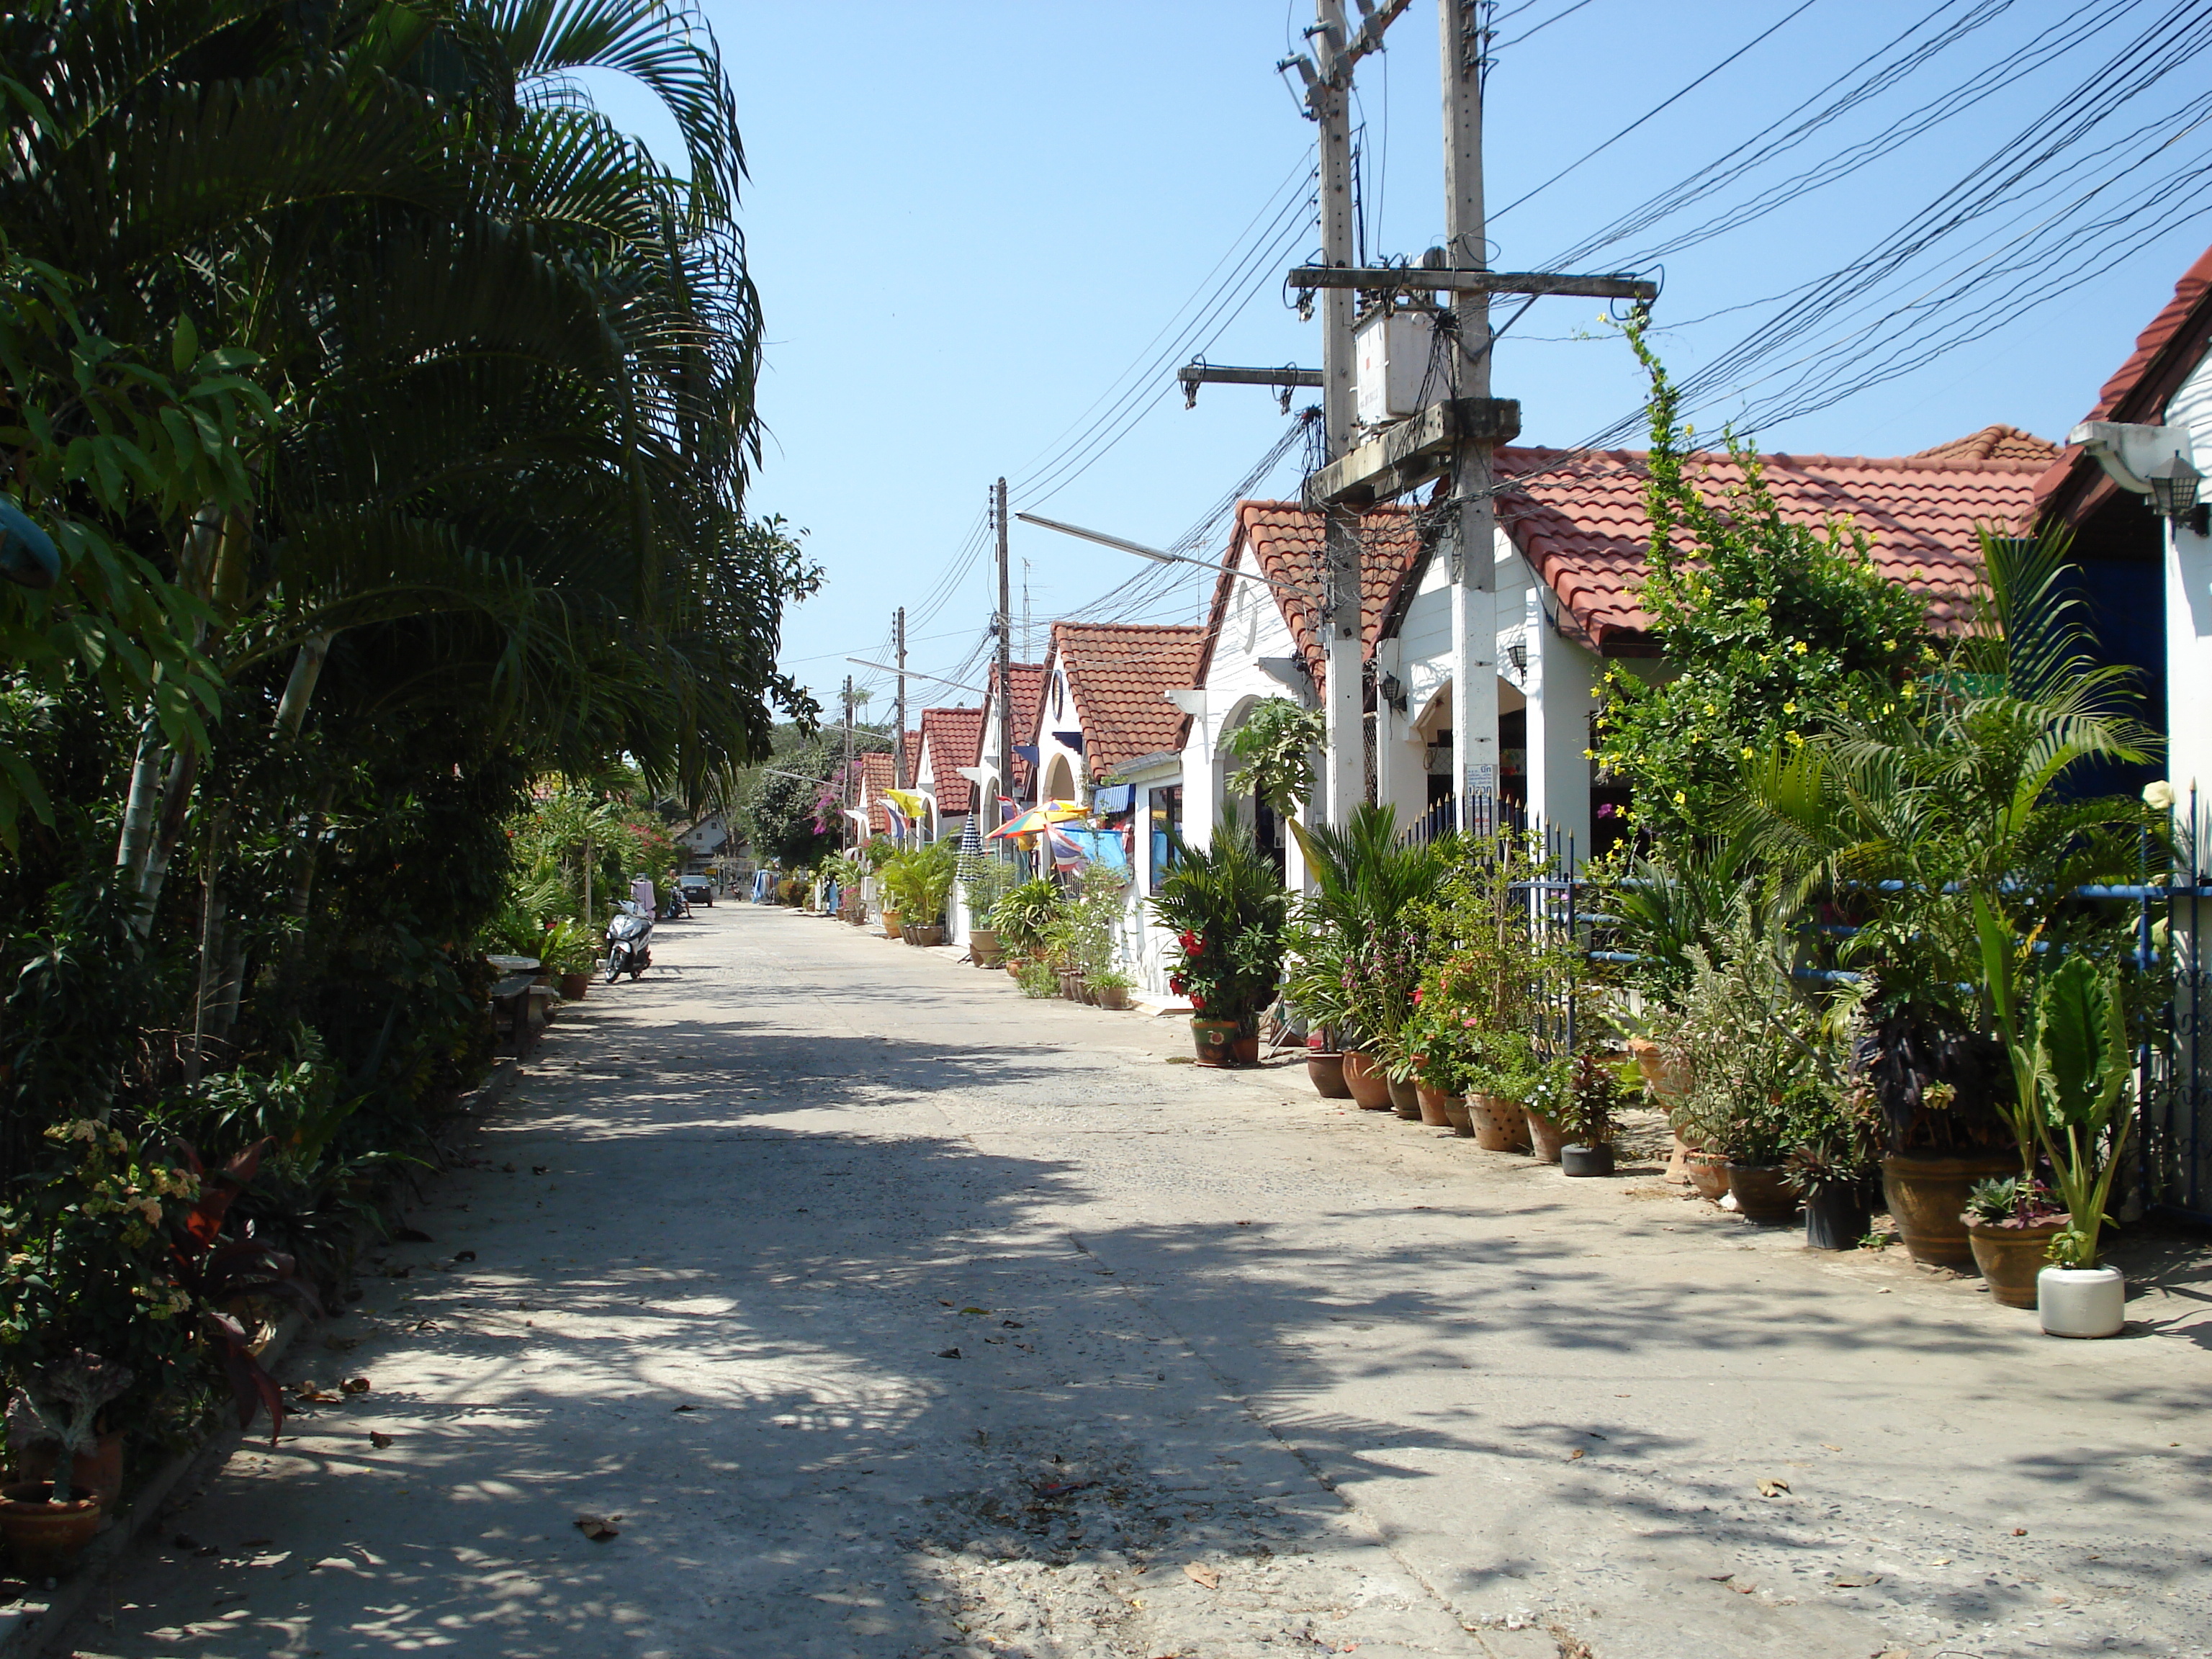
pixel 675 906
pixel 630 937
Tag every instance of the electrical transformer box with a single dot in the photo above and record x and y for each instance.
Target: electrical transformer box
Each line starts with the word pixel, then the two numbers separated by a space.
pixel 1390 374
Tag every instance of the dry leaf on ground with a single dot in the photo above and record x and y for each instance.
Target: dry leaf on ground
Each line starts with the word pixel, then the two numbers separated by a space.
pixel 1203 1576
pixel 314 1395
pixel 355 1385
pixel 377 1439
pixel 1577 1452
pixel 1772 1488
pixel 598 1527
pixel 1858 1580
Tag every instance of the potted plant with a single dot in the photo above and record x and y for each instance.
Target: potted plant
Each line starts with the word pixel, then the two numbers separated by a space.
pixel 985 884
pixel 45 1524
pixel 1585 1117
pixel 1834 1165
pixel 1500 1077
pixel 571 953
pixel 2072 1057
pixel 1024 914
pixel 1113 989
pixel 2010 1222
pixel 1226 907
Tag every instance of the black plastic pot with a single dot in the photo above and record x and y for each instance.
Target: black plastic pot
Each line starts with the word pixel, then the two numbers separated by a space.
pixel 1835 1218
pixel 1597 1160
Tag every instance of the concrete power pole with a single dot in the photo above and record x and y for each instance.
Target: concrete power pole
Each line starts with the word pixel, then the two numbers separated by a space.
pixel 1472 563
pixel 898 745
pixel 845 789
pixel 1005 710
pixel 1327 79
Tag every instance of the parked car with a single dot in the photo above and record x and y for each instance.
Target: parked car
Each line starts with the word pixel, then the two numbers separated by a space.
pixel 697 890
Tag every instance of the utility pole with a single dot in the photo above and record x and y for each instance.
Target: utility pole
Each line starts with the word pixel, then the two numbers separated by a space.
pixel 898 747
pixel 1006 652
pixel 1327 77
pixel 1473 564
pixel 845 789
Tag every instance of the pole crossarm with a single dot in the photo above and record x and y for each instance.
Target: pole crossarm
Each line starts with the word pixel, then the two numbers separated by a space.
pixel 1420 447
pixel 1193 375
pixel 1378 279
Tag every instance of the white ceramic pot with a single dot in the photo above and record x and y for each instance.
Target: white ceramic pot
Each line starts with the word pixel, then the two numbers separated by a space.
pixel 2081 1301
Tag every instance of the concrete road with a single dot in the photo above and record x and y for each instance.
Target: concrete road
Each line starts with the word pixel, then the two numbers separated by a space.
pixel 881 1312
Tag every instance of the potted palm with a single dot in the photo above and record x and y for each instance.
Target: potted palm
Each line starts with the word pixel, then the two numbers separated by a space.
pixel 1024 915
pixel 1226 907
pixel 985 884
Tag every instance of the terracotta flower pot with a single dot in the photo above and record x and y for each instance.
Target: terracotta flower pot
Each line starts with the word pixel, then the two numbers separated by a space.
pixel 1114 996
pixel 1668 1084
pixel 1326 1072
pixel 1247 1050
pixel 1927 1196
pixel 890 924
pixel 1545 1135
pixel 573 986
pixel 44 1537
pixel 1459 1115
pixel 1435 1104
pixel 1403 1099
pixel 1762 1192
pixel 97 1475
pixel 1216 1040
pixel 2010 1257
pixel 983 946
pixel 1708 1173
pixel 1365 1081
pixel 1500 1125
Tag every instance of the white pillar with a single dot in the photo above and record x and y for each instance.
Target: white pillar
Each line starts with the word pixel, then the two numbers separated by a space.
pixel 1561 675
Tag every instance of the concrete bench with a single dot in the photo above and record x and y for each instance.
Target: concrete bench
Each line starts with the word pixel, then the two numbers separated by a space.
pixel 524 1005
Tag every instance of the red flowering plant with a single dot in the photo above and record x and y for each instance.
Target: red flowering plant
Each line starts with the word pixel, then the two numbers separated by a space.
pixel 1229 911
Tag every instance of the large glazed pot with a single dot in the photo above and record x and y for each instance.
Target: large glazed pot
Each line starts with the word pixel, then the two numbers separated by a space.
pixel 1326 1072
pixel 1927 1196
pixel 1762 1192
pixel 1365 1081
pixel 1544 1135
pixel 983 946
pixel 1459 1115
pixel 2011 1258
pixel 1216 1040
pixel 891 924
pixel 1434 1105
pixel 43 1536
pixel 1403 1100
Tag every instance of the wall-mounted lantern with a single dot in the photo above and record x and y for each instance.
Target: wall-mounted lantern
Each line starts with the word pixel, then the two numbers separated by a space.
pixel 2149 460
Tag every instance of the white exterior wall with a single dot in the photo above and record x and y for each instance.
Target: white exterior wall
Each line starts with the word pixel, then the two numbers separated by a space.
pixel 1556 685
pixel 1058 692
pixel 1252 629
pixel 2189 611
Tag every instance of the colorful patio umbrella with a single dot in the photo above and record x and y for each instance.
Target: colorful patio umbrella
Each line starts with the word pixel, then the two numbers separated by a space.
pixel 1036 818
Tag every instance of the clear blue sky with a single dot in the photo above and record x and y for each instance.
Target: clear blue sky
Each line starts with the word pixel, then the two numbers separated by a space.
pixel 969 221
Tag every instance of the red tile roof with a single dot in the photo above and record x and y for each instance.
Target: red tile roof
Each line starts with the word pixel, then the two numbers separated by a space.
pixel 1028 681
pixel 1119 674
pixel 913 757
pixel 1579 520
pixel 1286 544
pixel 1993 443
pixel 875 778
pixel 2165 354
pixel 954 738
